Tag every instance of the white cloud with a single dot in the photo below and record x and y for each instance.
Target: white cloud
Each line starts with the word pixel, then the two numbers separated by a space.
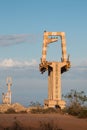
pixel 82 66
pixel 15 63
pixel 77 72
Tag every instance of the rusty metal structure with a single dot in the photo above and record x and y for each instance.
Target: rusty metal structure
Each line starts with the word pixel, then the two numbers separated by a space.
pixel 55 69
pixel 6 98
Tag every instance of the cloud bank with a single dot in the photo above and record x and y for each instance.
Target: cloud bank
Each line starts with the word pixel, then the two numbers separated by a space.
pixel 16 63
pixel 12 39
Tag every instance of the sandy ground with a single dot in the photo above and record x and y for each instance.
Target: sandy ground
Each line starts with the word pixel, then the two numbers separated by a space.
pixel 26 121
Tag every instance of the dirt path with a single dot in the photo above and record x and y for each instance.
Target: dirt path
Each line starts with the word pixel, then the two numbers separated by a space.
pixel 62 122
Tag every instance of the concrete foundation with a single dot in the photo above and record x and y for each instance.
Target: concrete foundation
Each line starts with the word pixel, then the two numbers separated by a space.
pixel 54 104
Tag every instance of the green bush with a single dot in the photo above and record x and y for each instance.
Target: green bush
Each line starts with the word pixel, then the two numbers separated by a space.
pixel 36 110
pixel 76 101
pixel 80 112
pixel 52 110
pixel 22 112
pixel 48 126
pixel 44 111
pixel 83 114
pixel 10 111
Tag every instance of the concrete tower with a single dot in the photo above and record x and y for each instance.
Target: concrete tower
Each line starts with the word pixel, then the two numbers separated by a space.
pixel 55 69
pixel 6 98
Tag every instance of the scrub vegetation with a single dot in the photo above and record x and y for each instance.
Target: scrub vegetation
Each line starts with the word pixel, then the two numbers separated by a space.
pixel 77 104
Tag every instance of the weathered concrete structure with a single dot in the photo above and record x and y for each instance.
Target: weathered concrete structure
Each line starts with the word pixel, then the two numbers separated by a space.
pixel 6 98
pixel 55 69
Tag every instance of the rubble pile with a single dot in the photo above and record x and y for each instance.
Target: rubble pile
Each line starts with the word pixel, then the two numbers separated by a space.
pixel 15 107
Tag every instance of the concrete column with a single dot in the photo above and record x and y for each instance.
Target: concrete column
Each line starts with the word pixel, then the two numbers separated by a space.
pixel 56 81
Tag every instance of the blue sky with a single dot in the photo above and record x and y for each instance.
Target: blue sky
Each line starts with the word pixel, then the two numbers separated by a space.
pixel 22 23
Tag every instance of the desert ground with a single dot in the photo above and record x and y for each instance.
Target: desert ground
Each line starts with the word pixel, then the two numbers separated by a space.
pixel 38 122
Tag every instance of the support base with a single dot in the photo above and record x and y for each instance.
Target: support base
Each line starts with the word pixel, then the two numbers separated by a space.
pixel 54 104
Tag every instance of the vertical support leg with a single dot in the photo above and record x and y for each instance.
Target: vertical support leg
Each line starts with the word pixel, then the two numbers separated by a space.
pixel 50 83
pixel 54 86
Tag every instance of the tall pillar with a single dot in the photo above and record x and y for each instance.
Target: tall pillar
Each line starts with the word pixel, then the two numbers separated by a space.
pixel 54 81
pixel 54 86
